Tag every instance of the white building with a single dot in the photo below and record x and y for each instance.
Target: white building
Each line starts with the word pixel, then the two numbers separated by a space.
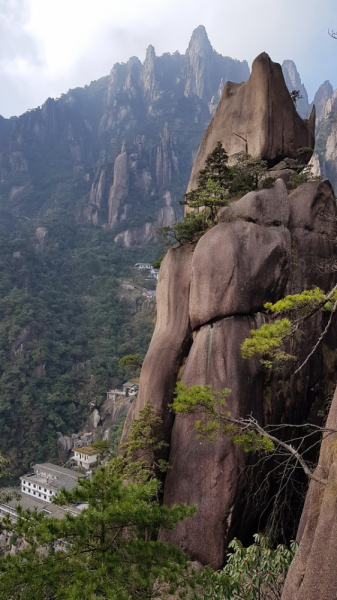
pixel 38 489
pixel 143 266
pixel 47 480
pixel 85 456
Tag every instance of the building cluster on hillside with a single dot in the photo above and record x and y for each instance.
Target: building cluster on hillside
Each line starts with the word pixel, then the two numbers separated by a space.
pixel 129 389
pixel 152 272
pixel 42 484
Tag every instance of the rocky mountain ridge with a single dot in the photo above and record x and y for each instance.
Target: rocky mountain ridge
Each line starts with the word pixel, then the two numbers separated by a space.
pixel 124 145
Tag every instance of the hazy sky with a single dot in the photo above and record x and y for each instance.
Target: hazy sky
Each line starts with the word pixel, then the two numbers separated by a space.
pixel 49 46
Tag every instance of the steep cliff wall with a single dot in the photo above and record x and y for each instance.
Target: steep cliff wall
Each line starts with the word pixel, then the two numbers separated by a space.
pixel 119 145
pixel 269 244
pixel 312 573
pixel 257 117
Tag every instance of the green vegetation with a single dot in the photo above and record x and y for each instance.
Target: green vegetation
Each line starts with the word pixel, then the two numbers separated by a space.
pixel 216 420
pixel 217 183
pixel 110 549
pixel 268 341
pixel 63 329
pixel 254 573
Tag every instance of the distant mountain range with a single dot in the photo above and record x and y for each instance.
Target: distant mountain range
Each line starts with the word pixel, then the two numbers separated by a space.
pixel 125 144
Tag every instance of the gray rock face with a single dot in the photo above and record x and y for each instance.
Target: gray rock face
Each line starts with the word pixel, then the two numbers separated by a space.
pixel 313 225
pixel 236 268
pixel 312 574
pixel 313 208
pixel 120 187
pixel 323 94
pixel 257 117
pixel 293 82
pixel 203 65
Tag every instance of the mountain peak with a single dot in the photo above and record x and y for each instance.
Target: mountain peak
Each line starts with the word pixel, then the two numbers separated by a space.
pixel 199 40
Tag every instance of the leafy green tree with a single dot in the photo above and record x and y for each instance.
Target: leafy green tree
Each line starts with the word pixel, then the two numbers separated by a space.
pixel 187 231
pixel 217 183
pixel 269 340
pixel 295 96
pixel 254 573
pixel 138 458
pixel 216 168
pixel 131 364
pixel 247 173
pixel 210 195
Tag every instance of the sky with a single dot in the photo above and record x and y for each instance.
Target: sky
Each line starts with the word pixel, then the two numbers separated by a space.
pixel 50 46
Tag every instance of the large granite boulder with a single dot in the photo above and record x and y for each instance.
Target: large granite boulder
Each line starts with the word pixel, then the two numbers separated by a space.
pixel 211 473
pixel 313 226
pixel 257 117
pixel 313 207
pixel 267 207
pixel 218 291
pixel 312 574
pixel 237 268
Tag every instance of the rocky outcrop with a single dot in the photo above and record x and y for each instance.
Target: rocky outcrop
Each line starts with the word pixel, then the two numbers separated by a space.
pixel 257 117
pixel 236 267
pixel 312 574
pixel 120 187
pixel 293 82
pixel 267 207
pixel 322 96
pixel 73 143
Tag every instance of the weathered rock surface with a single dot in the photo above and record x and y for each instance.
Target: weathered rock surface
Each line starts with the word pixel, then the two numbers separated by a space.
pixel 120 187
pixel 237 268
pixel 313 225
pixel 293 82
pixel 312 574
pixel 313 208
pixel 205 472
pixel 323 94
pixel 257 117
pixel 267 207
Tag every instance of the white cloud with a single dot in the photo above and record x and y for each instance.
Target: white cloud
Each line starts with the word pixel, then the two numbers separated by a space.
pixel 47 46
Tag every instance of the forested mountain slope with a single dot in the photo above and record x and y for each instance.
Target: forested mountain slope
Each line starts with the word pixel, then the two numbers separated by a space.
pixel 82 177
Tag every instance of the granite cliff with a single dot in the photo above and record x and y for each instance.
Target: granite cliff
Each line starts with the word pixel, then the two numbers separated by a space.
pixel 209 298
pixel 123 146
